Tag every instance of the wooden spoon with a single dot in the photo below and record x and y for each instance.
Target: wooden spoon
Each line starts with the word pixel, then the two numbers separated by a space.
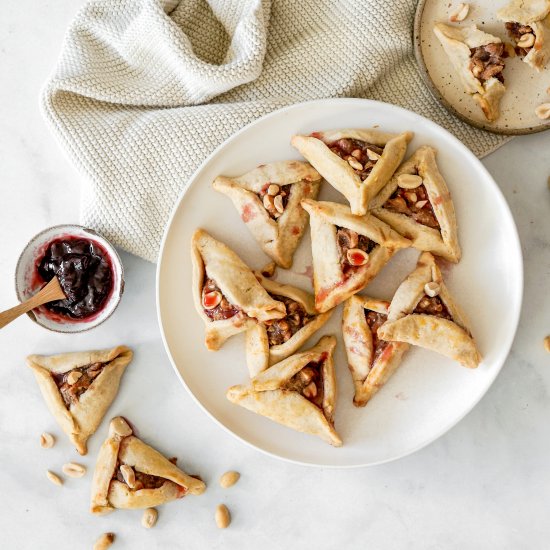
pixel 51 292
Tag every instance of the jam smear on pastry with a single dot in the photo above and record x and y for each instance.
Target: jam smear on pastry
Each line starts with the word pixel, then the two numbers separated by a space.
pixel 275 198
pixel 72 384
pixel 414 203
pixel 433 306
pixel 309 382
pixel 349 240
pixel 360 155
pixel 375 320
pixel 280 331
pixel 488 61
pixel 216 306
pixel 516 32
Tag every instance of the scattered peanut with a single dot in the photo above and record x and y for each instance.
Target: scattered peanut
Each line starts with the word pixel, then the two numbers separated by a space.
pixel 278 204
pixel 149 518
pixel 273 189
pixel 411 196
pixel 104 541
pixel 372 155
pixel 54 478
pixel 222 516
pixel 120 427
pixel 409 181
pixel 229 479
pixel 129 475
pixel 357 256
pixel 459 13
pixel 432 289
pixel 210 300
pixel 543 111
pixel 73 377
pixel 47 441
pixel 421 204
pixel 355 164
pixel 72 469
pixel 268 202
pixel 310 391
pixel 527 40
pixel 547 344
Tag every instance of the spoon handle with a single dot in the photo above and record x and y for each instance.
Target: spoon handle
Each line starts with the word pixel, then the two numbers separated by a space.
pixel 52 291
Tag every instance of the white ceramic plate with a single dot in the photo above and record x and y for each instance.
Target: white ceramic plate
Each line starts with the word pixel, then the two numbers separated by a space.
pixel 526 88
pixel 428 394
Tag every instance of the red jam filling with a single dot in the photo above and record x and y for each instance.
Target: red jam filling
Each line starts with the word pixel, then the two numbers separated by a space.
pixel 216 306
pixel 348 239
pixel 85 274
pixel 375 320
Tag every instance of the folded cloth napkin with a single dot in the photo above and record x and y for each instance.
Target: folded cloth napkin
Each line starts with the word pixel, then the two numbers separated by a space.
pixel 145 89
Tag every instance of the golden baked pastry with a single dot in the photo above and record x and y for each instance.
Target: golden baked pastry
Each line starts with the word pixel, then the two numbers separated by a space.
pixel 420 207
pixel 227 295
pixel 268 200
pixel 79 387
pixel 299 392
pixel 528 24
pixel 356 162
pixel 130 474
pixel 348 251
pixel 423 313
pixel 477 57
pixel 371 360
pixel 272 341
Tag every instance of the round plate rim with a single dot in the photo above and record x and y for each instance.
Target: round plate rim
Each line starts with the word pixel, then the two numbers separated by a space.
pixel 496 366
pixel 448 106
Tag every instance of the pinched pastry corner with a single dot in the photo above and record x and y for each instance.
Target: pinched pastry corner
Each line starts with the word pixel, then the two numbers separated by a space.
pixel 268 201
pixel 79 387
pixel 528 24
pixel 356 162
pixel 299 392
pixel 131 474
pixel 227 295
pixel 477 57
pixel 423 313
pixel 348 251
pixel 371 360
pixel 417 203
pixel 272 341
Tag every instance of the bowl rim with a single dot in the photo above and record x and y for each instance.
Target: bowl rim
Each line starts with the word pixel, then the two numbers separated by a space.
pixel 438 96
pixel 114 256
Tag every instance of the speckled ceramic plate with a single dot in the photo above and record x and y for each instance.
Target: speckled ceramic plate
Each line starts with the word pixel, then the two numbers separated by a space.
pixel 526 88
pixel 429 393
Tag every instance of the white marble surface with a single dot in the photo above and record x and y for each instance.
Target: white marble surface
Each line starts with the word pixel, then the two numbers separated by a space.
pixel 485 484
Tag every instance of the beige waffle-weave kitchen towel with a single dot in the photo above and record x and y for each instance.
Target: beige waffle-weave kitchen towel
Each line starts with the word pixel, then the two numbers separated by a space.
pixel 146 89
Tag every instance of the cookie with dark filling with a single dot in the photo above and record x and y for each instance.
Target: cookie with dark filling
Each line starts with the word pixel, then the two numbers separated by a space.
pixel 79 387
pixel 131 474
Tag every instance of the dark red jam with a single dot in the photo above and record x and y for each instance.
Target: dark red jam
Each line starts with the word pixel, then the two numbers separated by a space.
pixel 84 272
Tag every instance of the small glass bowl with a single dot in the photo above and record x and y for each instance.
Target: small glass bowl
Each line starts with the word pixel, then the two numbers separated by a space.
pixel 26 284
